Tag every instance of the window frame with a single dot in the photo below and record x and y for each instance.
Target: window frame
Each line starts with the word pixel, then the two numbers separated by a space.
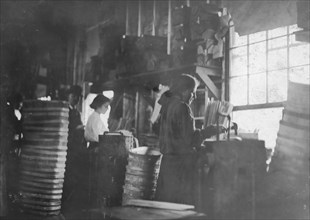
pixel 247 44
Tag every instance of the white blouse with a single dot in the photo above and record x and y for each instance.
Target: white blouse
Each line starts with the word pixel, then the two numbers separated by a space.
pixel 94 127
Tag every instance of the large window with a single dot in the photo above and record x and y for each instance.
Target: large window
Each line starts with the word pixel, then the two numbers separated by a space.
pixel 261 65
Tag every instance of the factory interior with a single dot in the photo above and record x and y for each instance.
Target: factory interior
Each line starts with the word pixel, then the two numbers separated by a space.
pixel 154 109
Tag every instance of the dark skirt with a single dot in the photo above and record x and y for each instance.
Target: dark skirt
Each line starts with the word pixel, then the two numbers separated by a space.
pixel 176 179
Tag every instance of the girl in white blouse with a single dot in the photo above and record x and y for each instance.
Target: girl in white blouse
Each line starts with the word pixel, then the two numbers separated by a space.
pixel 95 126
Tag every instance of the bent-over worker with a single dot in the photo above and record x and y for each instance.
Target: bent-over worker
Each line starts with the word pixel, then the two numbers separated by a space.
pixel 178 141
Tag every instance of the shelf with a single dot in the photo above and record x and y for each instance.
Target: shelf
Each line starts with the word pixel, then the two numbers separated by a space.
pixel 163 76
pixel 148 77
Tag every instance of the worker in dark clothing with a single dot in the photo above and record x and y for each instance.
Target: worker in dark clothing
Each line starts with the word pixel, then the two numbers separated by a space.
pixel 15 103
pixel 76 166
pixel 75 122
pixel 6 140
pixel 178 142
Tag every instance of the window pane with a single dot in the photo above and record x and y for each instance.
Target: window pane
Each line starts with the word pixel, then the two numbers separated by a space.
pixel 259 36
pixel 238 61
pixel 257 57
pixel 277 43
pixel 265 120
pixel 257 88
pixel 277 59
pixel 237 40
pixel 277 32
pixel 300 74
pixel 277 86
pixel 239 51
pixel 299 55
pixel 238 90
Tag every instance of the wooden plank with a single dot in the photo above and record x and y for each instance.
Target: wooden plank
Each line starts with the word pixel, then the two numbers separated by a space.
pixel 139 19
pixel 169 28
pixel 141 213
pixel 52 122
pixel 162 76
pixel 56 156
pixel 211 71
pixel 47 109
pixel 154 18
pixel 42 185
pixel 35 189
pixel 41 169
pixel 60 136
pixel 40 196
pixel 43 208
pixel 41 180
pixel 30 173
pixel 43 213
pixel 49 129
pixel 159 205
pixel 42 159
pixel 45 164
pixel 259 106
pixel 44 152
pixel 210 84
pixel 41 202
pixel 42 147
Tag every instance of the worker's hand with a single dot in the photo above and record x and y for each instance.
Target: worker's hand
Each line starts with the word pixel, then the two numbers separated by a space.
pixel 80 127
pixel 212 130
pixel 222 129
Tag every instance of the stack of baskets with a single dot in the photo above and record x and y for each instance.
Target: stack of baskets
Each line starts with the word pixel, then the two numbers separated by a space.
pixel 141 174
pixel 43 156
pixel 289 169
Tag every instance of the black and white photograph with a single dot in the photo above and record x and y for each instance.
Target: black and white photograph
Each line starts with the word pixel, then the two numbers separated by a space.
pixel 154 109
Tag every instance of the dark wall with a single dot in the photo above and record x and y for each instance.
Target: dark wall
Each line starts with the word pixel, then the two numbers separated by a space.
pixel 31 37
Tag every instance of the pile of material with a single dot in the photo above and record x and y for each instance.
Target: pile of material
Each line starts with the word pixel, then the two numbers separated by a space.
pixel 289 169
pixel 217 111
pixel 43 156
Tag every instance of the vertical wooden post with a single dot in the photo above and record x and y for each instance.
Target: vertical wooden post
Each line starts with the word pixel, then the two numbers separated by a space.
pixel 137 114
pixel 75 59
pixel 169 29
pixel 154 17
pixel 139 19
pixel 188 3
pixel 127 18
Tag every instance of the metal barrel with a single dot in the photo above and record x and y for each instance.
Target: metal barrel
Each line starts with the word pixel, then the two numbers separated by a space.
pixel 141 174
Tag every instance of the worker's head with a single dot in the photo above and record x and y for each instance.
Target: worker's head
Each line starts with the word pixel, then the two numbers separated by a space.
pixel 185 85
pixel 16 101
pixel 74 95
pixel 100 104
